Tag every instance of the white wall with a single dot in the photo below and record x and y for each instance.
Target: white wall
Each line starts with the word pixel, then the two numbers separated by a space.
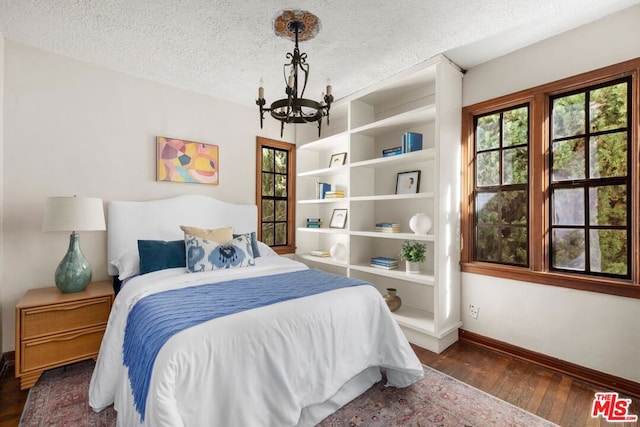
pixel 76 128
pixel 1 179
pixel 597 331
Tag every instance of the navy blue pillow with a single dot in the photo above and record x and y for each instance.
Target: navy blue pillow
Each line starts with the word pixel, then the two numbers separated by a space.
pixel 254 243
pixel 159 255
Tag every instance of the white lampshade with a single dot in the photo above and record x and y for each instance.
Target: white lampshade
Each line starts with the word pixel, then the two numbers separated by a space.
pixel 73 214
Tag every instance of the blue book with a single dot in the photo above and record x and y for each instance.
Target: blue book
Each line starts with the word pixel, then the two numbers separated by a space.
pixel 411 141
pixel 323 187
pixel 386 264
pixel 383 259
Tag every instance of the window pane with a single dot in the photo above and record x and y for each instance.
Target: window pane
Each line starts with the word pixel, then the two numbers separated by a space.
pixel 488 169
pixel 488 132
pixel 281 186
pixel 608 251
pixel 267 159
pixel 608 205
pixel 281 210
pixel 608 155
pixel 487 208
pixel 608 107
pixel 568 117
pixel 514 164
pixel 281 161
pixel 487 244
pixel 568 160
pixel 567 251
pixel 568 206
pixel 514 207
pixel 515 125
pixel 514 245
pixel 267 210
pixel 267 184
pixel 281 233
pixel 267 233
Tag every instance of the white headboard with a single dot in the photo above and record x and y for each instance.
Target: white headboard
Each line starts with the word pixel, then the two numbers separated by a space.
pixel 161 220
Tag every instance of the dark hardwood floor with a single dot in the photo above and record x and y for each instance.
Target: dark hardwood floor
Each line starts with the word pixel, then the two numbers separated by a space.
pixel 559 398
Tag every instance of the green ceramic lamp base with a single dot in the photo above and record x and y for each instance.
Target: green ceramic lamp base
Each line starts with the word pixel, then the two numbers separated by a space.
pixel 74 272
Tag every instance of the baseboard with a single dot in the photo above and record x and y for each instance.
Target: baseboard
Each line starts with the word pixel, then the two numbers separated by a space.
pixel 7 362
pixel 606 381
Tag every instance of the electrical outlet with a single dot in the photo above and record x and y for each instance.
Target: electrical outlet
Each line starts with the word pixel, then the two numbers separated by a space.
pixel 473 311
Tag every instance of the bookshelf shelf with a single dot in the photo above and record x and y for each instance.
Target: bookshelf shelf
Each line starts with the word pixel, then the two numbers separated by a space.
pixel 426 100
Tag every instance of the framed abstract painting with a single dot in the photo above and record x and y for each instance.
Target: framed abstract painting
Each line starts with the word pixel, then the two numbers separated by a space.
pixel 186 161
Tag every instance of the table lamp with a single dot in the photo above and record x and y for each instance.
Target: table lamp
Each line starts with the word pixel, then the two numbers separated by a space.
pixel 73 214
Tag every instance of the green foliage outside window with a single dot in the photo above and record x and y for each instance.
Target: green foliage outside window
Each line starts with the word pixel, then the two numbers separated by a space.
pixel 589 152
pixel 502 176
pixel 274 196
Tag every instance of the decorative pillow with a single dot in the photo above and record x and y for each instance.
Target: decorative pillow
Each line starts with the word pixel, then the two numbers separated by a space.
pixel 219 235
pixel 128 264
pixel 160 255
pixel 266 250
pixel 205 255
pixel 254 243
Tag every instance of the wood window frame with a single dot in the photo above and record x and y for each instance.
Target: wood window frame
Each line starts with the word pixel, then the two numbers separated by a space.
pixel 539 270
pixel 291 191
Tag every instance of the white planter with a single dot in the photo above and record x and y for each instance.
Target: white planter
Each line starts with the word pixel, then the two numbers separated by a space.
pixel 413 267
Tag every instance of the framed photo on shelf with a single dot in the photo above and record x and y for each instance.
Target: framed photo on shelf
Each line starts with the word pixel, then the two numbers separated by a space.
pixel 338 218
pixel 337 159
pixel 408 182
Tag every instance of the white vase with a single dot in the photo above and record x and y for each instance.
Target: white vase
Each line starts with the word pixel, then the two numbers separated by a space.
pixel 420 223
pixel 339 252
pixel 413 267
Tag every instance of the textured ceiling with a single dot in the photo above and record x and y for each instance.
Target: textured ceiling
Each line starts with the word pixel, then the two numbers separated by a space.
pixel 222 48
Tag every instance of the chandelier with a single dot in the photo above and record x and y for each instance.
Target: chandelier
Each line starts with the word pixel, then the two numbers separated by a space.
pixel 296 25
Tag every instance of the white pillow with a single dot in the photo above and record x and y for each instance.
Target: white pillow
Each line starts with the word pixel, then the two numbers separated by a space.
pixel 128 264
pixel 265 250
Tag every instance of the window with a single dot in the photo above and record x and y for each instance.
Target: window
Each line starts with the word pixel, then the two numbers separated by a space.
pixel 275 193
pixel 589 181
pixel 501 178
pixel 550 182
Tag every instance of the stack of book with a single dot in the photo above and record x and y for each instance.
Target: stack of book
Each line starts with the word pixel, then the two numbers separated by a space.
pixel 388 227
pixel 334 195
pixel 384 262
pixel 321 189
pixel 314 223
pixel 392 151
pixel 319 253
pixel 411 141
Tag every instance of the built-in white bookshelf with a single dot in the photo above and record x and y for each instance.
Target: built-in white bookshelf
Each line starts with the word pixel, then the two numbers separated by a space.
pixel 426 100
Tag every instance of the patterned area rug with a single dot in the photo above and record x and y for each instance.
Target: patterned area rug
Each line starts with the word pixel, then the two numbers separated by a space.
pixel 60 399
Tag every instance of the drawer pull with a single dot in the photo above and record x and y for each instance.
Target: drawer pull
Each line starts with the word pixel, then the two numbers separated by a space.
pixel 67 307
pixel 61 339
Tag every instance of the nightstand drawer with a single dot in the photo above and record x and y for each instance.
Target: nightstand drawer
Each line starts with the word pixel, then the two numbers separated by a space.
pixel 41 321
pixel 60 349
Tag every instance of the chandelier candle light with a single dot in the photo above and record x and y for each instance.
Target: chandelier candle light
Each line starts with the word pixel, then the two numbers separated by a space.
pixel 298 26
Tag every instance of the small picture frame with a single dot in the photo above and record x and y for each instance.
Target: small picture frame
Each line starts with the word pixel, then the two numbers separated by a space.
pixel 338 218
pixel 408 182
pixel 337 160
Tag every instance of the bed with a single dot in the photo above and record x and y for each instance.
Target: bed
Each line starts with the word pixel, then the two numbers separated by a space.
pixel 262 342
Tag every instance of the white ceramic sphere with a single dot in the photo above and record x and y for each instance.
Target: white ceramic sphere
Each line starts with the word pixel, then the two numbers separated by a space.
pixel 338 251
pixel 420 223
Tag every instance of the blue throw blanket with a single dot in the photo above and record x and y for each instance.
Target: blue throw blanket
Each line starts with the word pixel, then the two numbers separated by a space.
pixel 156 318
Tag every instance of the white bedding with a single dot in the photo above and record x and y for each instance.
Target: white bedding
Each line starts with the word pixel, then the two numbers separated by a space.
pixel 270 366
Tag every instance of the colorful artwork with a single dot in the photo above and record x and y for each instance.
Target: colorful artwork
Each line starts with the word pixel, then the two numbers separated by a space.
pixel 186 161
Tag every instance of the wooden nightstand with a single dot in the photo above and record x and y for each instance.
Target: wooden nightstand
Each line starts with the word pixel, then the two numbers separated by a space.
pixel 55 329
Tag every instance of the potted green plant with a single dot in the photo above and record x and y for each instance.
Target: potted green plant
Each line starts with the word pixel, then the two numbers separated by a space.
pixel 413 253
